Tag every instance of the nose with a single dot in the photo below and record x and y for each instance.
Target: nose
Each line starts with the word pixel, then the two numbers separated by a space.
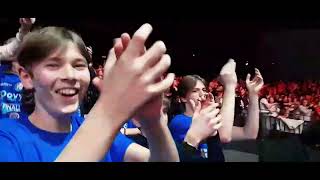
pixel 68 73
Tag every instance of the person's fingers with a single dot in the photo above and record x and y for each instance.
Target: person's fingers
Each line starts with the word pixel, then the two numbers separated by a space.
pixel 33 20
pixel 257 71
pixel 26 21
pixel 210 108
pixel 196 107
pixel 248 78
pixel 218 126
pixel 229 67
pixel 158 70
pixel 125 38
pixel 214 113
pixel 153 54
pixel 193 104
pixel 211 97
pixel 111 60
pixel 162 85
pixel 216 120
pixel 136 44
pixel 118 47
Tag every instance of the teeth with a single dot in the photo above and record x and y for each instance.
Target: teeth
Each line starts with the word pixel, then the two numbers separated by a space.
pixel 67 92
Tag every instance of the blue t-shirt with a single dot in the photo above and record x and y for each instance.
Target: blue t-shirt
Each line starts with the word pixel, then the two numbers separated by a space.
pixel 10 96
pixel 4 67
pixel 20 141
pixel 179 127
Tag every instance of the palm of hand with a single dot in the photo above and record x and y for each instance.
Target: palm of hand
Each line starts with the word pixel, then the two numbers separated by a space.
pixel 256 84
pixel 150 112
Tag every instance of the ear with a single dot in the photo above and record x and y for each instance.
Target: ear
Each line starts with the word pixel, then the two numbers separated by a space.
pixel 25 77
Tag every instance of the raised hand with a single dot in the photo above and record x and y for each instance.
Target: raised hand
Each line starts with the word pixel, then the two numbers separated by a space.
pixel 205 123
pixel 89 49
pixel 26 24
pixel 256 84
pixel 209 100
pixel 134 78
pixel 228 76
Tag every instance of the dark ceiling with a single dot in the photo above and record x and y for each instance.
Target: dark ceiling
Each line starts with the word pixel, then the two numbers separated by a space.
pixel 202 45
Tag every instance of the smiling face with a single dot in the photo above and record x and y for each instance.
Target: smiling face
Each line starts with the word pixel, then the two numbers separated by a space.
pixel 54 64
pixel 60 81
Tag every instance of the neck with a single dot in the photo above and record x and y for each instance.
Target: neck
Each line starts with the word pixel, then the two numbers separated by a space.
pixel 189 111
pixel 50 122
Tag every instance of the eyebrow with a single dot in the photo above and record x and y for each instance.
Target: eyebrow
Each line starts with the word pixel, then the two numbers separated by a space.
pixel 199 88
pixel 76 60
pixel 80 60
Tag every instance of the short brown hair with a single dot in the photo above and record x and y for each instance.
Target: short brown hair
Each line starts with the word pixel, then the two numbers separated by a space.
pixel 40 43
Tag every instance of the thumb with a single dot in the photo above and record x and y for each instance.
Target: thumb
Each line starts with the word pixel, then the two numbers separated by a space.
pixel 211 97
pixel 248 78
pixel 197 107
pixel 193 104
pixel 111 61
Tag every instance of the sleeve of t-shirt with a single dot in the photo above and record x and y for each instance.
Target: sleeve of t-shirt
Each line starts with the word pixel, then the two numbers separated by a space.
pixel 8 152
pixel 119 147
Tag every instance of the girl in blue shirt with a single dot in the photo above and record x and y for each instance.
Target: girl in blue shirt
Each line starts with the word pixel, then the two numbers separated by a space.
pixel 192 88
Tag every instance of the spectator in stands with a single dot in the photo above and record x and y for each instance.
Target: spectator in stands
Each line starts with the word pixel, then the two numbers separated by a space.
pixel 305 110
pixel 99 72
pixel 284 113
pixel 276 98
pixel 10 47
pixel 10 86
pixel 268 105
pixel 241 107
pixel 281 87
pixel 219 95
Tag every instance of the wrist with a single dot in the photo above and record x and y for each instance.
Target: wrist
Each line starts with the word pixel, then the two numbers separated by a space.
pixel 188 148
pixel 21 33
pixel 192 140
pixel 24 30
pixel 151 127
pixel 253 95
pixel 230 89
pixel 108 114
